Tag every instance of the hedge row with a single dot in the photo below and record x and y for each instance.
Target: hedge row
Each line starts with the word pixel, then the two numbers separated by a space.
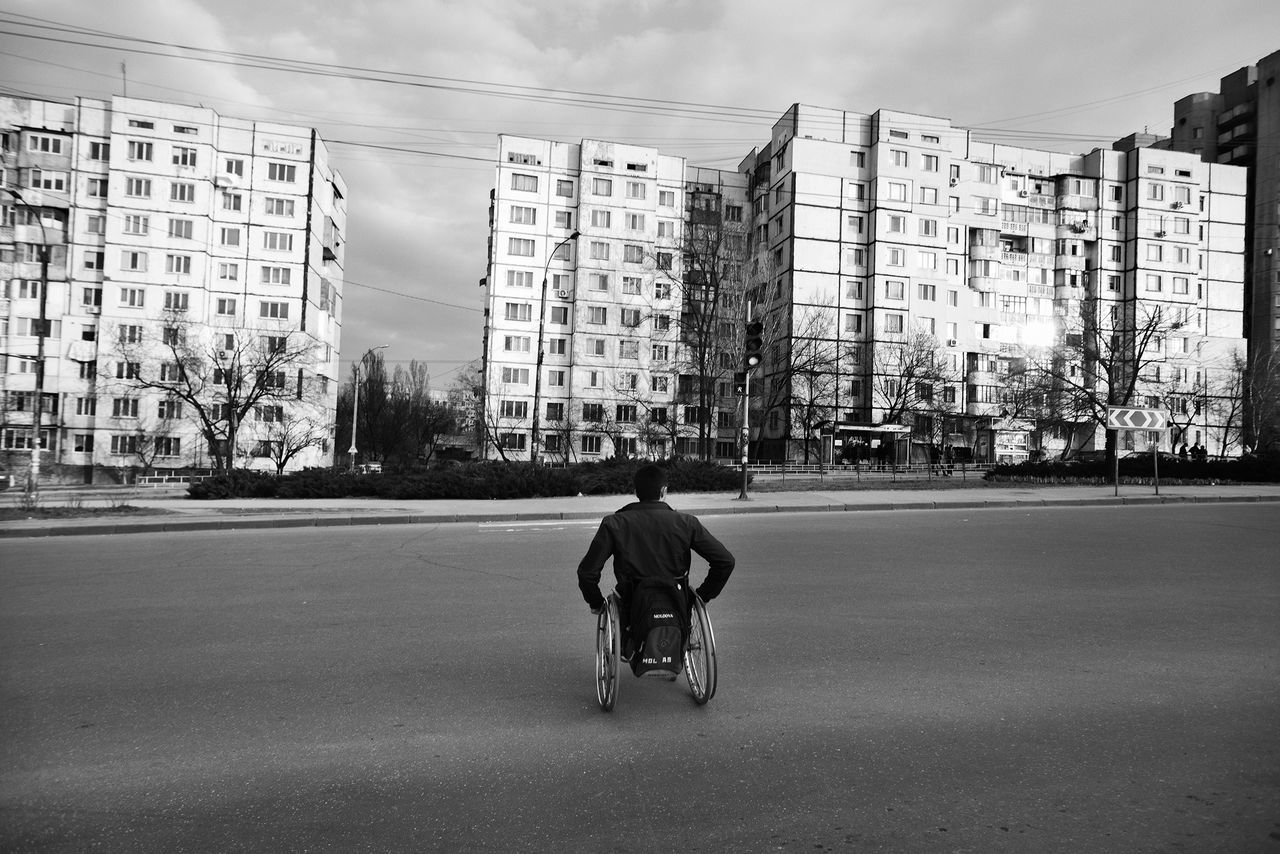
pixel 1253 469
pixel 469 480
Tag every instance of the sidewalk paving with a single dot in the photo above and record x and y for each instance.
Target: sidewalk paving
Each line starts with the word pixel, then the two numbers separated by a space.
pixel 177 513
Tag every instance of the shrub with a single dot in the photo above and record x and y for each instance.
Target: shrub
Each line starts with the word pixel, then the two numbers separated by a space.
pixel 479 480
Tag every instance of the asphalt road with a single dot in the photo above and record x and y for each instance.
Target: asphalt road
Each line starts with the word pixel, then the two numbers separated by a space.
pixel 1047 680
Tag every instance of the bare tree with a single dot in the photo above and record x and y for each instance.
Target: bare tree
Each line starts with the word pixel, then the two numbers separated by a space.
pixel 710 281
pixel 1107 357
pixel 288 435
pixel 1262 412
pixel 908 376
pixel 218 374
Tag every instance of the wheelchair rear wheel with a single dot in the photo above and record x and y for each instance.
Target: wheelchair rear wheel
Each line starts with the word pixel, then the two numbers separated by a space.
pixel 608 654
pixel 700 654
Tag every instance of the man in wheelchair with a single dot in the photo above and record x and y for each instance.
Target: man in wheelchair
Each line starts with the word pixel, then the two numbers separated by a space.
pixel 651 546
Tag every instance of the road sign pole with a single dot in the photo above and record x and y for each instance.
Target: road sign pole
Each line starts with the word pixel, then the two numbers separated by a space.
pixel 1155 464
pixel 746 433
pixel 1116 462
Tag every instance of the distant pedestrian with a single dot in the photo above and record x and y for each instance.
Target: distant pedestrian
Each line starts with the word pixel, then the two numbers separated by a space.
pixel 1182 452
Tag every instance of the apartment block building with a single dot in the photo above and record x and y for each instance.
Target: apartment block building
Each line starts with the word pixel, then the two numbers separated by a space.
pixel 865 235
pixel 585 280
pixel 188 252
pixel 1240 125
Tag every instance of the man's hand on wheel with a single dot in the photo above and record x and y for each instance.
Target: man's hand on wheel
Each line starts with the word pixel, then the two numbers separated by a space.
pixel 599 609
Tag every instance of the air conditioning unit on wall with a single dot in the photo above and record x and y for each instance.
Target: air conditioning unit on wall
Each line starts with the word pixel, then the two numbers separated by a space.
pixel 562 294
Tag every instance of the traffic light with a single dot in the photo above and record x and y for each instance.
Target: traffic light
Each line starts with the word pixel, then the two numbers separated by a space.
pixel 752 344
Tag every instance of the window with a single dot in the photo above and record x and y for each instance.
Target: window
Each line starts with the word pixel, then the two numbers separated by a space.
pixel 930 162
pixel 895 290
pixel 632 254
pixel 1181 284
pixel 277 276
pixel 563 188
pixel 560 314
pixel 133 261
pixel 598 281
pixel 516 343
pixel 631 317
pixel 140 150
pixel 667 198
pixel 597 315
pixel 929 195
pixel 168 446
pixel 169 410
pixel 984 205
pixel 853 323
pixel 97 188
pixel 1154 283
pixel 286 172
pixel 635 222
pixel 180 228
pixel 524 183
pixel 278 241
pixel 592 412
pixel 233 166
pixel 181 191
pixel 558 346
pixel 515 376
pixel 229 236
pixel 178 264
pixel 602 186
pixel 1155 191
pixel 228 271
pixel 628 349
pixel 524 215
pixel 897 191
pixel 555 411
pixel 132 297
pixel 600 218
pixel 555 379
pixel 231 201
pixel 99 151
pixel 897 224
pixel 591 444
pixel 175 300
pixel 522 246
pixel 1155 252
pixel 124 444
pixel 519 279
pixel 137 188
pixel 896 258
pixel 513 409
pixel 184 156
pixel 124 407
pixel 594 347
pixel 631 285
pixel 519 311
pixel 899 157
pixel 279 207
pixel 599 251
pixel 635 189
pixel 274 310
pixel 928 293
pixel 928 228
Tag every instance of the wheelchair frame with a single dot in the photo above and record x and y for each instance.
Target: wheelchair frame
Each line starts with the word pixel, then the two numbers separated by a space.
pixel 699 653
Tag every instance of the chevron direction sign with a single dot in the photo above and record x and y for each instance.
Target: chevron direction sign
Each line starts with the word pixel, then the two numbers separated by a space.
pixel 1126 418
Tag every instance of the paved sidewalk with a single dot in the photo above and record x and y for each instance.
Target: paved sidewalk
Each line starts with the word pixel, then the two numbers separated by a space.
pixel 181 514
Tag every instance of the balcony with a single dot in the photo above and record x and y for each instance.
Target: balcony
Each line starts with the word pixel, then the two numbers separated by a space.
pixel 1070 262
pixel 1076 230
pixel 984 253
pixel 1039 200
pixel 1078 203
pixel 1038 259
pixel 1017 259
pixel 1007 227
pixel 983 284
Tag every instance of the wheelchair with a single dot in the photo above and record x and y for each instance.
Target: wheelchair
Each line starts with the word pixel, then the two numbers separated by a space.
pixel 699 653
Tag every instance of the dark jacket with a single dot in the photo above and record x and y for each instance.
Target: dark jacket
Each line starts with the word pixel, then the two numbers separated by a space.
pixel 647 539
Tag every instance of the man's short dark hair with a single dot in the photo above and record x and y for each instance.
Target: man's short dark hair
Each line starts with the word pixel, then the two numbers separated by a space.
pixel 649 482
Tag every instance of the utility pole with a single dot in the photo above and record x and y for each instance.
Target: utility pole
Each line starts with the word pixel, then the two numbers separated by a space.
pixel 752 344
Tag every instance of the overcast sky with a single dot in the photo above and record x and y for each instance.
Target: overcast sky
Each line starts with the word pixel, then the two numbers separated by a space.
pixel 703 79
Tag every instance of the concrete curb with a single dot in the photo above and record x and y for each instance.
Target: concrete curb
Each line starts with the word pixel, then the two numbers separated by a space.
pixel 163 525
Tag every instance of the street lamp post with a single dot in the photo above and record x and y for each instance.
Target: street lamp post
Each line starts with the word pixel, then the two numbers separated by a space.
pixel 542 321
pixel 33 472
pixel 355 401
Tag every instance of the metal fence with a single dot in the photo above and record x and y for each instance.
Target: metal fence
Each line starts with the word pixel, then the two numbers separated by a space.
pixel 871 472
